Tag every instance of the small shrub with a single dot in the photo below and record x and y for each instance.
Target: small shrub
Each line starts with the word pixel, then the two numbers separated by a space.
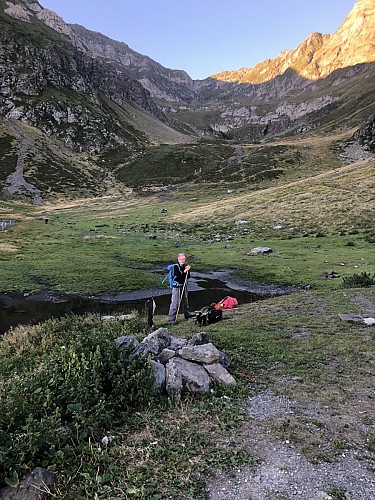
pixel 66 380
pixel 337 493
pixel 370 236
pixel 362 280
pixel 350 244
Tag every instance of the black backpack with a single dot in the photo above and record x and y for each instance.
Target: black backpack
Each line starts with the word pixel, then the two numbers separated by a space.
pixel 208 315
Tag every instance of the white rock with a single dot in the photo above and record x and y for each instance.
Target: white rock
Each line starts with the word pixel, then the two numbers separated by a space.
pixel 219 374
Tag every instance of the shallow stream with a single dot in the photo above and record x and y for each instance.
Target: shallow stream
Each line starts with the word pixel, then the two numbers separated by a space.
pixel 22 309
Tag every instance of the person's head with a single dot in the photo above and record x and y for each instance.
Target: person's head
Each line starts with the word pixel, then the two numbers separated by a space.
pixel 181 258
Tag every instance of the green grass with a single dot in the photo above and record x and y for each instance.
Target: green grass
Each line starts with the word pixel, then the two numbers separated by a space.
pixel 298 347
pixel 99 246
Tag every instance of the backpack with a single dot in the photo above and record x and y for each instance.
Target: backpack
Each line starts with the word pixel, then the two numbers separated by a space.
pixel 208 315
pixel 226 303
pixel 169 276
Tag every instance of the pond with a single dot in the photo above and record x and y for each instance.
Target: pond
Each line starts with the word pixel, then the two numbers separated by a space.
pixel 22 309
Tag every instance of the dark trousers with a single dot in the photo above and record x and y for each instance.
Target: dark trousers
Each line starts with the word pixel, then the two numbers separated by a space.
pixel 175 300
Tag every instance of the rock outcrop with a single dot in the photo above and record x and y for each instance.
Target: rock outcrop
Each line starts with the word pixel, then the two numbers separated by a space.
pixel 365 135
pixel 34 486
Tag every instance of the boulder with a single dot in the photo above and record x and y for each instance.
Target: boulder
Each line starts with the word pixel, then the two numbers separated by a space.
pixel 126 343
pixel 198 339
pixel 260 251
pixel 177 343
pixel 166 355
pixel 34 486
pixel 219 374
pixel 353 318
pixel 154 343
pixel 224 359
pixel 205 354
pixel 173 379
pixel 181 375
pixel 159 374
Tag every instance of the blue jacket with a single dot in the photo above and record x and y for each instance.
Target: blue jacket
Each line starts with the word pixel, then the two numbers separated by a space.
pixel 177 275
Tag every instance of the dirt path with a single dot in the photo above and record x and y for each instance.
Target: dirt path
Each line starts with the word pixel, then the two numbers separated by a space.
pixel 16 183
pixel 284 472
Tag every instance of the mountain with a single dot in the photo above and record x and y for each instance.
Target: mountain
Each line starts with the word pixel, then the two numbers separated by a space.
pixel 52 85
pixel 162 83
pixel 326 80
pixel 81 114
pixel 319 55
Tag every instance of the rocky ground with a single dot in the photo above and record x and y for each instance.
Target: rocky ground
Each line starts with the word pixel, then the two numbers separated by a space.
pixel 16 183
pixel 284 472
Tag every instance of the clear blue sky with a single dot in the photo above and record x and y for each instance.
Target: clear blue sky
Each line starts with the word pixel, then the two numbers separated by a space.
pixel 204 37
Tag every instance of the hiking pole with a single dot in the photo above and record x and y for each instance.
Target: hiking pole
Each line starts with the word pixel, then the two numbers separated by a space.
pixel 182 294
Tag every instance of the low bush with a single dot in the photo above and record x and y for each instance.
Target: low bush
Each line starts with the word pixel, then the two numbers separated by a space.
pixel 64 383
pixel 370 236
pixel 362 280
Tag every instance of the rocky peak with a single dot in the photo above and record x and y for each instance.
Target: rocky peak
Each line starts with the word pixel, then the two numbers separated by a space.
pixel 23 10
pixel 319 55
pixel 57 23
pixel 354 41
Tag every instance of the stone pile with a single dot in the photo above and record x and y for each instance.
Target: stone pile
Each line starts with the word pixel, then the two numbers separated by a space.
pixel 181 365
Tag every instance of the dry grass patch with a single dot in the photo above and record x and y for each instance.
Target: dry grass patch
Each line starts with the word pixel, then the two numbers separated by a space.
pixel 8 248
pixel 343 194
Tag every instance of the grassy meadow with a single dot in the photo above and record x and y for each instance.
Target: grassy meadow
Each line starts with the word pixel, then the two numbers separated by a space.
pixel 111 244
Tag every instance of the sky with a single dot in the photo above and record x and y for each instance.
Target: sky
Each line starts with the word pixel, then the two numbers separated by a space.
pixel 204 37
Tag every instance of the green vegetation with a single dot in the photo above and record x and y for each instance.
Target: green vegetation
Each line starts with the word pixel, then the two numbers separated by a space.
pixel 72 375
pixel 104 246
pixel 359 280
pixel 172 164
pixel 73 388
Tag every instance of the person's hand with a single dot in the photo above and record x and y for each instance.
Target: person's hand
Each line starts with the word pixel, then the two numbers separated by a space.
pixel 187 269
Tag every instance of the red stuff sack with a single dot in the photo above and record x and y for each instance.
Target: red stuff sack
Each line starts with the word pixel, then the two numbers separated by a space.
pixel 226 303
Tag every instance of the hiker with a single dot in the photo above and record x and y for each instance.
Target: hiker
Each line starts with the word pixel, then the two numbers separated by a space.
pixel 179 274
